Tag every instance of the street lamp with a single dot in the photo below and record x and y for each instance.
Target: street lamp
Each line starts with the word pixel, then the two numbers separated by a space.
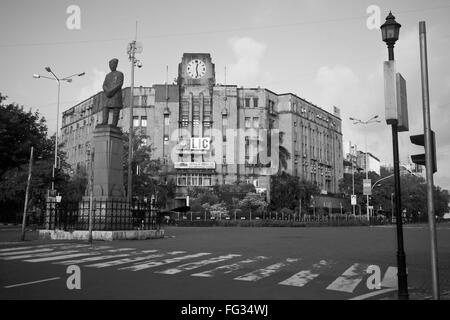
pixel 390 31
pixel 58 80
pixel 357 121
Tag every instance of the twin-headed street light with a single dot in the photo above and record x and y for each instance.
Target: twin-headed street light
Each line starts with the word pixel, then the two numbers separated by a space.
pixel 58 80
pixel 358 121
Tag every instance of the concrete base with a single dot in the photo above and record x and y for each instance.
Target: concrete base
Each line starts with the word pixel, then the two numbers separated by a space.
pixel 101 235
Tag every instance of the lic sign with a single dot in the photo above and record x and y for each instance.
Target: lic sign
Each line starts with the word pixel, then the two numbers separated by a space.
pixel 200 143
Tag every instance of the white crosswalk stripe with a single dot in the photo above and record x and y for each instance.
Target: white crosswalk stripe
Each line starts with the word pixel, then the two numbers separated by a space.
pixel 132 260
pixel 228 268
pixel 63 257
pixel 152 264
pixel 92 259
pixel 44 254
pixel 350 279
pixel 390 278
pixel 265 272
pixel 6 254
pixel 198 264
pixel 301 278
pixel 33 247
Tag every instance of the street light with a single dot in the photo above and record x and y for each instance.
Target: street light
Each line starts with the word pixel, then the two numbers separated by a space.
pixel 357 121
pixel 58 80
pixel 390 31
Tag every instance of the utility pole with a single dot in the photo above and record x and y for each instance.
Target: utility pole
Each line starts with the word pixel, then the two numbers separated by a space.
pixel 91 189
pixel 429 159
pixel 25 206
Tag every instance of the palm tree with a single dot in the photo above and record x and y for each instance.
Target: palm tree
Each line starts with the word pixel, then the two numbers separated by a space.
pixel 283 154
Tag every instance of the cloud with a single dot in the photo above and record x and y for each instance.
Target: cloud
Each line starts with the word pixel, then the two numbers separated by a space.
pixel 95 80
pixel 247 68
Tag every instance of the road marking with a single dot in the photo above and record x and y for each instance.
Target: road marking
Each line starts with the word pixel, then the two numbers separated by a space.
pixel 91 259
pixel 265 272
pixel 373 294
pixel 32 282
pixel 390 278
pixel 34 247
pixel 228 268
pixel 63 257
pixel 121 249
pixel 5 254
pixel 350 279
pixel 301 278
pixel 124 261
pixel 152 264
pixel 34 255
pixel 198 264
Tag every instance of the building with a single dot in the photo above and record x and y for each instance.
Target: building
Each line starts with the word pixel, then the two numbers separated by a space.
pixel 356 160
pixel 211 134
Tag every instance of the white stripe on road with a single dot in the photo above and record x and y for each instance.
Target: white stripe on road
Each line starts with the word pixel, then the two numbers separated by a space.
pixel 124 261
pixel 265 272
pixel 301 278
pixel 373 294
pixel 121 250
pixel 34 255
pixel 390 278
pixel 24 252
pixel 32 282
pixel 152 264
pixel 63 257
pixel 34 247
pixel 198 264
pixel 228 268
pixel 91 259
pixel 350 279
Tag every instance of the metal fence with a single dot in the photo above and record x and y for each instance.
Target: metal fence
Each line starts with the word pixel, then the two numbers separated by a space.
pixel 106 215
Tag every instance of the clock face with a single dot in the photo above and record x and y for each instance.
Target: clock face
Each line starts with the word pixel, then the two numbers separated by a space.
pixel 196 69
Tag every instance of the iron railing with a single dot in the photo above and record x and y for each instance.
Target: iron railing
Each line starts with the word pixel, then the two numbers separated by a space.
pixel 106 215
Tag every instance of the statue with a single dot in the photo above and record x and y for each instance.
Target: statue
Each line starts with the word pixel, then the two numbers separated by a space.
pixel 112 87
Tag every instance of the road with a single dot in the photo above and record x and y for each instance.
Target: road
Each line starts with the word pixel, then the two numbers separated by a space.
pixel 225 263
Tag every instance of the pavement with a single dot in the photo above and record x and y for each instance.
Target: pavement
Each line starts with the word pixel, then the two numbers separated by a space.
pixel 200 263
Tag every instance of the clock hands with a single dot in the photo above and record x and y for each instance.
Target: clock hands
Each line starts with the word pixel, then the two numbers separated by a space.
pixel 196 68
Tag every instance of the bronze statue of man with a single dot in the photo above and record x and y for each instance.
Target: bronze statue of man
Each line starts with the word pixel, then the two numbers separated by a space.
pixel 112 87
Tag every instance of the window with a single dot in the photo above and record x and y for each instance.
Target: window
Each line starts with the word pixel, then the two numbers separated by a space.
pixel 248 122
pixel 144 100
pixel 255 102
pixel 144 121
pixel 256 122
pixel 194 179
pixel 136 101
pixel 247 102
pixel 135 121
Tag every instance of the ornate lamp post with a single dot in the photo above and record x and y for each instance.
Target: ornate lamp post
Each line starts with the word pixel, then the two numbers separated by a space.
pixel 390 32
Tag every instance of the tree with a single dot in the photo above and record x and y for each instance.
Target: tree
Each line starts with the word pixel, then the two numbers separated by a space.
pixel 283 154
pixel 253 204
pixel 146 171
pixel 19 130
pixel 287 191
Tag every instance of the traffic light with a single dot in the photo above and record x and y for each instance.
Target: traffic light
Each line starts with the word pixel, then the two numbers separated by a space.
pixel 420 158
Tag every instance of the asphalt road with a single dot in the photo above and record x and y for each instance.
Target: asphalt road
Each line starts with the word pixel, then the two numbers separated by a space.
pixel 225 263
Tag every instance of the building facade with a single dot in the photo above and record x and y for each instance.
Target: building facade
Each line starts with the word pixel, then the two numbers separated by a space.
pixel 207 133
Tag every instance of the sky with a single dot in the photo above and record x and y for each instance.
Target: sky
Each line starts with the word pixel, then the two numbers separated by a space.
pixel 327 52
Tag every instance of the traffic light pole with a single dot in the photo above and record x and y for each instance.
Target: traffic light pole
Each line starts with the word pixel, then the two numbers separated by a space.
pixel 429 157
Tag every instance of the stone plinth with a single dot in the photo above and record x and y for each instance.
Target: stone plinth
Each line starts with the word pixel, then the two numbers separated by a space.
pixel 108 169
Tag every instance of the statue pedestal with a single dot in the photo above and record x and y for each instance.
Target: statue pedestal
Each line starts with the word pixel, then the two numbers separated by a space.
pixel 108 166
pixel 110 204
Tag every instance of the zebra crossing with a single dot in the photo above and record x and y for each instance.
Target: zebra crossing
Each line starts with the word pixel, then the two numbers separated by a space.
pixel 298 271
